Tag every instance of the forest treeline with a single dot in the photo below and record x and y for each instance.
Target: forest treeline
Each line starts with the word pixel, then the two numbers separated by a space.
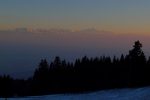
pixel 85 74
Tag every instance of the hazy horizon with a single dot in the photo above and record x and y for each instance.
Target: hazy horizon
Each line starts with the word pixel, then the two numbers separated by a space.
pixel 21 51
pixel 34 29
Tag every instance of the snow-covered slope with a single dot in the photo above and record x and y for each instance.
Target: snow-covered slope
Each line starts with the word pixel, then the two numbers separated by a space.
pixel 116 94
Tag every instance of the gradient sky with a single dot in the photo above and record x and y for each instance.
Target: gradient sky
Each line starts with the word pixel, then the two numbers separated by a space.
pixel 100 27
pixel 120 16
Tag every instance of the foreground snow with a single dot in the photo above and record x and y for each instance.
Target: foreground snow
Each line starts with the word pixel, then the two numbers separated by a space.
pixel 116 94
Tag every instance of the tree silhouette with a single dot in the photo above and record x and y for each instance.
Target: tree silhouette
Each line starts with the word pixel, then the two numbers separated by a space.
pixel 85 74
pixel 42 71
pixel 136 55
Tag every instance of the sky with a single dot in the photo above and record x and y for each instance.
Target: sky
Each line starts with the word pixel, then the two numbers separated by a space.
pixel 34 29
pixel 119 16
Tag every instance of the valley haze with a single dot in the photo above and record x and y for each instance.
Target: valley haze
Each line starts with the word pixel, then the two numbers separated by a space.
pixel 22 49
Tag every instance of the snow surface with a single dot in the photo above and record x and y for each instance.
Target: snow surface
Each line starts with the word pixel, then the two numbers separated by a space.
pixel 116 94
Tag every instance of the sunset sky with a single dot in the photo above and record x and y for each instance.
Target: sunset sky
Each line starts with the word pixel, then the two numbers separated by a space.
pixel 119 16
pixel 34 29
